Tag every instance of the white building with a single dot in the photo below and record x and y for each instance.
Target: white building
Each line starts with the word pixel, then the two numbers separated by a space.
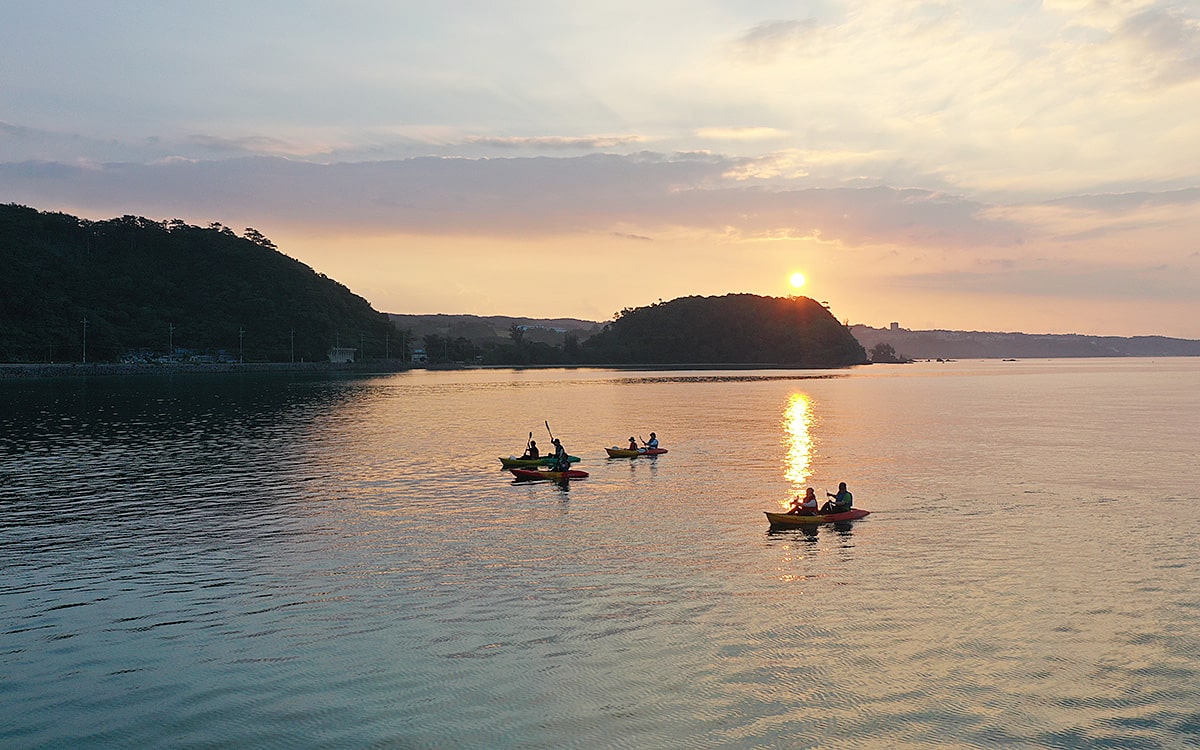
pixel 341 355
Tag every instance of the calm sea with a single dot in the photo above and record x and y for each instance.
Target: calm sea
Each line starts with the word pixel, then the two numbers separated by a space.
pixel 322 562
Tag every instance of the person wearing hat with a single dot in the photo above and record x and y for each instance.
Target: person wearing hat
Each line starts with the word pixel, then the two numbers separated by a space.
pixel 562 461
pixel 652 442
pixel 632 443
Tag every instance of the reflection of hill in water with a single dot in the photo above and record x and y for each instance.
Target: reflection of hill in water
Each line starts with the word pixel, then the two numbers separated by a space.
pixel 109 411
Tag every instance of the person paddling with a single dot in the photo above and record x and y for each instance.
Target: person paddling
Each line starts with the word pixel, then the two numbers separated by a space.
pixel 562 462
pixel 652 443
pixel 842 501
pixel 531 450
pixel 807 506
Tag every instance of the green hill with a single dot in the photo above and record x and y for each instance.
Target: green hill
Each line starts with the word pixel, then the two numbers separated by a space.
pixel 149 286
pixel 743 329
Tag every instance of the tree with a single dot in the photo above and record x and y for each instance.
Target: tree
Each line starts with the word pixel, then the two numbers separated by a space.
pixel 884 353
pixel 517 334
pixel 258 238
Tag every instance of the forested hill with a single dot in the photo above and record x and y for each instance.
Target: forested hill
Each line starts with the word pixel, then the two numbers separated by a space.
pixel 733 329
pixel 153 286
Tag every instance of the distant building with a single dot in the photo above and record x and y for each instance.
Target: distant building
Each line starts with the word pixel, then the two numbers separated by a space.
pixel 341 355
pixel 419 356
pixel 895 326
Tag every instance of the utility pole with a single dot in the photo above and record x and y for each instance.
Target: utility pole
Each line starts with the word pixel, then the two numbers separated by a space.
pixel 241 337
pixel 362 346
pixel 171 340
pixel 387 348
pixel 292 335
pixel 85 325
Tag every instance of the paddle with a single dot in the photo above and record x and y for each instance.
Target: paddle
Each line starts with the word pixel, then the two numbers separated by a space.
pixel 558 464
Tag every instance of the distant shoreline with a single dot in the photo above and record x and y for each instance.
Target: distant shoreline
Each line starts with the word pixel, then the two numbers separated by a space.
pixel 109 369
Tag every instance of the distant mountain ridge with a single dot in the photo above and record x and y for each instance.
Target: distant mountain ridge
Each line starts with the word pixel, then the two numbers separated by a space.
pixel 944 344
pixel 481 329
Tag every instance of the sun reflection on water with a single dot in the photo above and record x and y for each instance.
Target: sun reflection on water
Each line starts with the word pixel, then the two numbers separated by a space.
pixel 797 426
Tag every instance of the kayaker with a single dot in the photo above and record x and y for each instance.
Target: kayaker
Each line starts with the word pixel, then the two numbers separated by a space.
pixel 842 501
pixel 531 451
pixel 632 443
pixel 807 506
pixel 652 443
pixel 562 461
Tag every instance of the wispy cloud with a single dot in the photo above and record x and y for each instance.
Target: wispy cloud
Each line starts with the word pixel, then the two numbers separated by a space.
pixel 740 133
pixel 1166 40
pixel 574 143
pixel 769 39
pixel 254 144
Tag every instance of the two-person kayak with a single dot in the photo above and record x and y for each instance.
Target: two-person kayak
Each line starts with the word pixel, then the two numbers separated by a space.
pixel 556 476
pixel 631 453
pixel 794 520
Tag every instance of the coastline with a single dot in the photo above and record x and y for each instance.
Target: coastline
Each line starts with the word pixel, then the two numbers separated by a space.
pixel 10 371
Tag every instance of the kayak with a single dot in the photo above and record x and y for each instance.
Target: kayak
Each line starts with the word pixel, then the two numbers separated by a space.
pixel 557 476
pixel 513 461
pixel 786 520
pixel 627 453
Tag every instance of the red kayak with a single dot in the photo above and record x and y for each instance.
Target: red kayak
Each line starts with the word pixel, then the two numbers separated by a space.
pixel 792 520
pixel 557 476
pixel 629 453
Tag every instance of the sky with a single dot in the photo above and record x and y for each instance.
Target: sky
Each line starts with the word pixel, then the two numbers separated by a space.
pixel 1013 166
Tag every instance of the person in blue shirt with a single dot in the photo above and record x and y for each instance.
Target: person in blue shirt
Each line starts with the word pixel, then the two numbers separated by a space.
pixel 652 442
pixel 842 501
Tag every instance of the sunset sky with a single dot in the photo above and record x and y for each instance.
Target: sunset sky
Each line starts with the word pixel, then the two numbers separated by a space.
pixel 1015 166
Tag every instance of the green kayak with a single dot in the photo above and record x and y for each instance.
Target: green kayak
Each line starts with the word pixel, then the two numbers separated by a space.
pixel 513 462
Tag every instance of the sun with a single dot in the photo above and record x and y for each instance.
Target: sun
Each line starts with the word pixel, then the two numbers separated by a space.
pixel 797 280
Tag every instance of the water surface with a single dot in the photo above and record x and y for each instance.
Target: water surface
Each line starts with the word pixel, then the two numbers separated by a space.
pixel 300 561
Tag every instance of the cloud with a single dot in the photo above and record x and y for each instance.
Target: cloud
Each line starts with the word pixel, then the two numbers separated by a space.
pixel 636 237
pixel 740 134
pixel 588 142
pixel 1167 40
pixel 638 194
pixel 248 145
pixel 767 40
